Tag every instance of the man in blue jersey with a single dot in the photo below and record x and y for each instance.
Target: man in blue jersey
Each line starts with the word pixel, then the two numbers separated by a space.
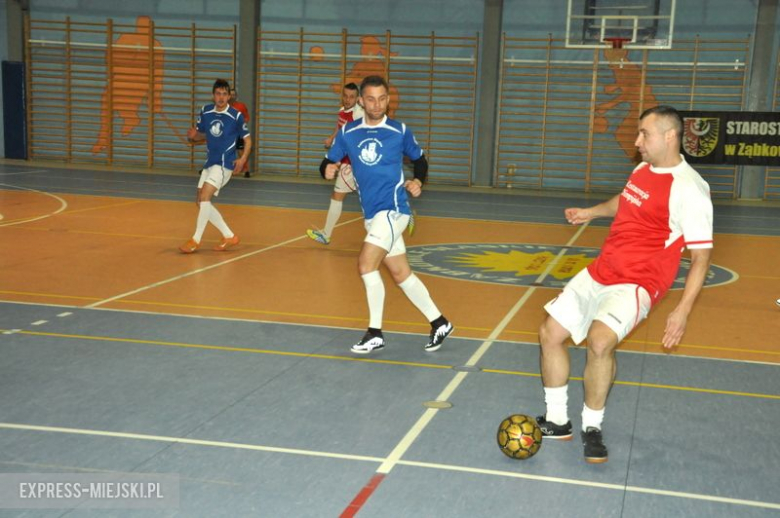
pixel 220 125
pixel 376 146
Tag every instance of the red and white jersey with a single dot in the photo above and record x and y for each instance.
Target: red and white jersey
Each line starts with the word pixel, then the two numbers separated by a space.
pixel 661 212
pixel 354 113
pixel 345 116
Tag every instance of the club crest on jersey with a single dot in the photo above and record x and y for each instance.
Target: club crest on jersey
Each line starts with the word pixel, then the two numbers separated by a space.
pixel 216 128
pixel 370 151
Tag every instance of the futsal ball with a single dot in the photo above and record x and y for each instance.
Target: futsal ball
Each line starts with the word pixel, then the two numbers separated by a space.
pixel 519 436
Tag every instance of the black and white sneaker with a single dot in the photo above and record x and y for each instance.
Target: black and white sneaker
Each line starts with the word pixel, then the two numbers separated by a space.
pixel 593 443
pixel 550 430
pixel 438 335
pixel 368 344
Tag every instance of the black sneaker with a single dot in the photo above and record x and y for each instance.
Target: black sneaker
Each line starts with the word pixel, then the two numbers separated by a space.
pixel 595 451
pixel 437 337
pixel 559 432
pixel 368 344
pixel 247 174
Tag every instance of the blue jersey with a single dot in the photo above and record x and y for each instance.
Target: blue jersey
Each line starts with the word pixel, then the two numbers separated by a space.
pixel 377 156
pixel 222 129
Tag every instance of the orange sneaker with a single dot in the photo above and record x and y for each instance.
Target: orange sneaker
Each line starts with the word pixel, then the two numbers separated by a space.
pixel 189 247
pixel 226 243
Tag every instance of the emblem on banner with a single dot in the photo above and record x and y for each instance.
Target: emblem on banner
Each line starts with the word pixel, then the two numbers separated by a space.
pixel 700 135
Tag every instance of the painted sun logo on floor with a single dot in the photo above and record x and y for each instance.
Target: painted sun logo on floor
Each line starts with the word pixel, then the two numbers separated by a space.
pixel 522 263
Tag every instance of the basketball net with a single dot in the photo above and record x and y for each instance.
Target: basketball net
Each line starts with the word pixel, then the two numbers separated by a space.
pixel 616 54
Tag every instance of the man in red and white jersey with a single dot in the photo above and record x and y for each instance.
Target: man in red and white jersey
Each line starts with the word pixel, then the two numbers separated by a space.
pixel 238 105
pixel 664 208
pixel 345 183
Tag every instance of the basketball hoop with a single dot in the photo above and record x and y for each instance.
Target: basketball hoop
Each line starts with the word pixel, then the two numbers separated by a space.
pixel 616 54
pixel 617 43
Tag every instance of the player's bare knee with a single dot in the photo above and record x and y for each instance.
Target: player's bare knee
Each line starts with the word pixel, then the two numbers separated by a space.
pixel 367 265
pixel 399 276
pixel 364 268
pixel 601 340
pixel 600 346
pixel 549 335
pixel 399 269
pixel 543 333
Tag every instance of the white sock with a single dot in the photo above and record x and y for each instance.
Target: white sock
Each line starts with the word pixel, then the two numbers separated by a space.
pixel 216 219
pixel 334 213
pixel 375 294
pixel 203 219
pixel 592 417
pixel 418 294
pixel 557 400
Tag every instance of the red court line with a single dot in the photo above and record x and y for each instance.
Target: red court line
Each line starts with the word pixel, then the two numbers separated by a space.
pixel 361 498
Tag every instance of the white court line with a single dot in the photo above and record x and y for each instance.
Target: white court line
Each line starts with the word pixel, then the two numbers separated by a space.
pixel 364 458
pixel 184 440
pixel 599 485
pixel 205 269
pixel 430 413
pixel 63 206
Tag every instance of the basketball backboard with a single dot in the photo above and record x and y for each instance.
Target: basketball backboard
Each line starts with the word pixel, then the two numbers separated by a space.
pixel 643 24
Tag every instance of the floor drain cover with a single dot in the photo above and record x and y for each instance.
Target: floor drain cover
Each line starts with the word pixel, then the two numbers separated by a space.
pixel 437 404
pixel 466 368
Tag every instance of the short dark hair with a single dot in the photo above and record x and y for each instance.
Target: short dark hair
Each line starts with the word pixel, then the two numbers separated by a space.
pixel 373 81
pixel 351 86
pixel 220 83
pixel 668 113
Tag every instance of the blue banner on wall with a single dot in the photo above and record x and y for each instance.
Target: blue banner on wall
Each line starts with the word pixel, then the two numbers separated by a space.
pixel 740 138
pixel 14 110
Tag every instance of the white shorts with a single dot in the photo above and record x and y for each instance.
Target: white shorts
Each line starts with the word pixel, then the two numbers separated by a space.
pixel 345 182
pixel 386 229
pixel 216 175
pixel 620 306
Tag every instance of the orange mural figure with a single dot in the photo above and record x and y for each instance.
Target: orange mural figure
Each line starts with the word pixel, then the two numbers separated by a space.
pixel 628 86
pixel 129 70
pixel 372 64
